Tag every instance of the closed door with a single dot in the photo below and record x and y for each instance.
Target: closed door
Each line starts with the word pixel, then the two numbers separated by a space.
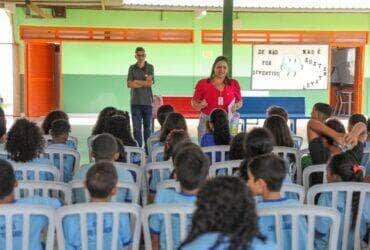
pixel 40 85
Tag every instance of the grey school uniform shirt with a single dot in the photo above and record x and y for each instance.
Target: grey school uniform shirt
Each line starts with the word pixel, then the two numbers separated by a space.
pixel 143 95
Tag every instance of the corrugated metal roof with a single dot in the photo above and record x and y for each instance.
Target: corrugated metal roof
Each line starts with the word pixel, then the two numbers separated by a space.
pixel 258 4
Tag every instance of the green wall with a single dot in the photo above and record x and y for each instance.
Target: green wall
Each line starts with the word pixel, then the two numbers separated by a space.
pixel 94 73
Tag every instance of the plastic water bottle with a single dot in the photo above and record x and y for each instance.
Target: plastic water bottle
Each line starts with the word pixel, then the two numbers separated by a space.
pixel 234 123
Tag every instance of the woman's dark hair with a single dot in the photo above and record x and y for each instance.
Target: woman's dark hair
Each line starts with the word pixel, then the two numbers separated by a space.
pixel 221 130
pixel 121 151
pixel 227 206
pixel 236 147
pixel 217 60
pixel 279 130
pixel 52 116
pixel 345 166
pixel 175 137
pixel 25 141
pixel 102 117
pixel 2 123
pixel 173 121
pixel 117 126
pixel 335 125
pixel 257 142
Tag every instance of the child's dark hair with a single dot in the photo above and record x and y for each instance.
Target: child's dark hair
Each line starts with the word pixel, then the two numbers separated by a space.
pixel 180 146
pixel 174 137
pixel 335 125
pixel 324 110
pixel 345 166
pixel 104 146
pixel 121 151
pixel 227 206
pixel 101 179
pixel 2 123
pixel 357 118
pixel 257 142
pixel 7 179
pixel 60 127
pixel 191 167
pixel 162 113
pixel 268 167
pixel 277 110
pixel 368 125
pixel 173 121
pixel 52 116
pixel 102 117
pixel 279 130
pixel 221 130
pixel 25 141
pixel 117 126
pixel 236 147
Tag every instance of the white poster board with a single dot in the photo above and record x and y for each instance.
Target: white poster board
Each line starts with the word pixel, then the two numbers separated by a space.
pixel 290 67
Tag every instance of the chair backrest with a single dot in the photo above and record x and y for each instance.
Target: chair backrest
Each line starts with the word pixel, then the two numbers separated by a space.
pixel 347 188
pixel 298 141
pixel 131 151
pixel 155 152
pixel 295 213
pixel 169 184
pixel 59 190
pixel 37 169
pixel 3 154
pixel 133 189
pixel 296 171
pixel 150 141
pixel 89 146
pixel 365 159
pixel 100 209
pixel 11 213
pixel 308 171
pixel 70 138
pixel 56 153
pixel 134 169
pixel 218 168
pixel 294 189
pixel 220 149
pixel 304 152
pixel 183 211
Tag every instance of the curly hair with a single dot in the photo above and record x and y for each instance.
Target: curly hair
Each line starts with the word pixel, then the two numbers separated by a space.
pixel 221 130
pixel 227 206
pixel 102 117
pixel 25 141
pixel 236 147
pixel 174 137
pixel 345 166
pixel 280 130
pixel 2 123
pixel 117 126
pixel 257 142
pixel 173 121
pixel 52 116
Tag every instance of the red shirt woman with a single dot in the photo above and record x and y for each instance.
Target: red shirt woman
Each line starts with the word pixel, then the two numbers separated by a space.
pixel 217 91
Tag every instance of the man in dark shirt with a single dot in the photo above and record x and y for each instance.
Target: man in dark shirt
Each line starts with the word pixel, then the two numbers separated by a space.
pixel 140 78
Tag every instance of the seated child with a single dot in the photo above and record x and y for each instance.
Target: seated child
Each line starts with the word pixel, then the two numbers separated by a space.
pixel 59 131
pixel 219 131
pixel 37 222
pixel 265 178
pixel 104 114
pixel 225 218
pixel 191 170
pixel 104 148
pixel 101 182
pixel 162 113
pixel 236 147
pixel 342 168
pixel 25 144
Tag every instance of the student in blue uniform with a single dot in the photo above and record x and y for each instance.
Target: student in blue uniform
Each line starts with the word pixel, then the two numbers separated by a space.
pixel 25 144
pixel 191 170
pixel 59 131
pixel 265 178
pixel 104 148
pixel 37 222
pixel 342 168
pixel 101 182
pixel 225 218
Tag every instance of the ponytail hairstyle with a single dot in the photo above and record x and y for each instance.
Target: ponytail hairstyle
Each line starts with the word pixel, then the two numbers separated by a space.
pixel 344 167
pixel 280 131
pixel 221 129
pixel 175 137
